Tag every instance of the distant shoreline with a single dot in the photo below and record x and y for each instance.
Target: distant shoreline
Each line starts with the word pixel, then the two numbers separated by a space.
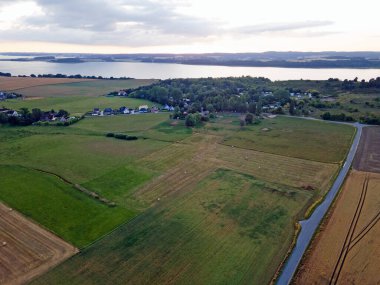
pixel 311 60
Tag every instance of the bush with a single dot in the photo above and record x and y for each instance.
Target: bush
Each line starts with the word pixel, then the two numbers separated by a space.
pixel 120 136
pixel 249 118
pixel 110 135
pixel 131 138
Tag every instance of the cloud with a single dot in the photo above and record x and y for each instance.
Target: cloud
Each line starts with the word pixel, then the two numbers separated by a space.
pixel 281 27
pixel 130 23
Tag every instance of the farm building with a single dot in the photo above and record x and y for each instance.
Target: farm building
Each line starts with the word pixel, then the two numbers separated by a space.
pixel 143 108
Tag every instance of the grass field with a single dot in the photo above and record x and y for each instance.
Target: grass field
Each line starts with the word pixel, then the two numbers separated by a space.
pixel 57 206
pixel 213 204
pixel 77 98
pixel 307 139
pixel 75 105
pixel 230 229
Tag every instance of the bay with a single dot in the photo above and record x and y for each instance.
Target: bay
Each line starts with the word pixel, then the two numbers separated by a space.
pixel 142 70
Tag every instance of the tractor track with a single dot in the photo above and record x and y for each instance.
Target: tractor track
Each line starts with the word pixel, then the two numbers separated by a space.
pixel 349 236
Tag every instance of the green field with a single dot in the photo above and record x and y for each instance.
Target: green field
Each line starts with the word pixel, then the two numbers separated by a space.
pixel 75 105
pixel 58 206
pixel 306 139
pixel 212 204
pixel 230 229
pixel 79 97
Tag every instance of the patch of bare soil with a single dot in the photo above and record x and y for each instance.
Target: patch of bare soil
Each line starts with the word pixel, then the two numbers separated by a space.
pixel 26 249
pixel 368 154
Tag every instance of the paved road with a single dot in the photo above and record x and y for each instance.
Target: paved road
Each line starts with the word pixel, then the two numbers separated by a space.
pixel 309 226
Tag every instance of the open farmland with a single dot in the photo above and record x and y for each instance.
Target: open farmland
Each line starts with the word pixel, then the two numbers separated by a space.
pixel 27 250
pixel 187 238
pixel 75 105
pixel 186 189
pixel 82 88
pixel 368 155
pixel 16 83
pixel 77 98
pixel 289 137
pixel 58 206
pixel 347 249
pixel 201 194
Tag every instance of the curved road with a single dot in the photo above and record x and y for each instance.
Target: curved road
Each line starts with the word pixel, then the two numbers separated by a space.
pixel 309 226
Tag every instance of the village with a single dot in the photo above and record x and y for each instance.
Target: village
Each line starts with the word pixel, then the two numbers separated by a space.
pixel 130 111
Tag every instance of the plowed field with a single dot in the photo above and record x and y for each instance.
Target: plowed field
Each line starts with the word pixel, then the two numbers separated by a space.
pixel 26 249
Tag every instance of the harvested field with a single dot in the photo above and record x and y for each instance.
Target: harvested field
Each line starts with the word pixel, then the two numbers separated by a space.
pixel 204 153
pixel 26 249
pixel 82 87
pixel 290 171
pixel 347 249
pixel 15 83
pixel 368 154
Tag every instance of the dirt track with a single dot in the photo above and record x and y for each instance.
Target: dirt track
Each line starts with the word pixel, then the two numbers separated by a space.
pixel 368 154
pixel 26 249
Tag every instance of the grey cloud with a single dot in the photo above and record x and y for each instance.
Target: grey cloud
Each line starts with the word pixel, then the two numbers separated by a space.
pixel 129 23
pixel 103 16
pixel 281 27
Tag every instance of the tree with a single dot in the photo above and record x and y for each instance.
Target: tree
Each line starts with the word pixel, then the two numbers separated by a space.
pixel 292 108
pixel 190 120
pixel 62 113
pixel 24 112
pixel 326 116
pixel 3 118
pixel 281 94
pixel 259 108
pixel 252 108
pixel 249 119
pixel 36 114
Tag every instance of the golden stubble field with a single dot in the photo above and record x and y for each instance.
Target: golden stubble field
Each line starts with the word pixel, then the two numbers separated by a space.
pixel 15 83
pixel 347 249
pixel 26 249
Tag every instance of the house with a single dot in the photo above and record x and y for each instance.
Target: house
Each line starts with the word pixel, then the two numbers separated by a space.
pixel 107 112
pixel 2 96
pixel 48 116
pixel 124 110
pixel 96 112
pixel 143 108
pixel 154 109
pixel 122 93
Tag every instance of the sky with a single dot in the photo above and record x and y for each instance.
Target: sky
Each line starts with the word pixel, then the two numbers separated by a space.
pixel 188 26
